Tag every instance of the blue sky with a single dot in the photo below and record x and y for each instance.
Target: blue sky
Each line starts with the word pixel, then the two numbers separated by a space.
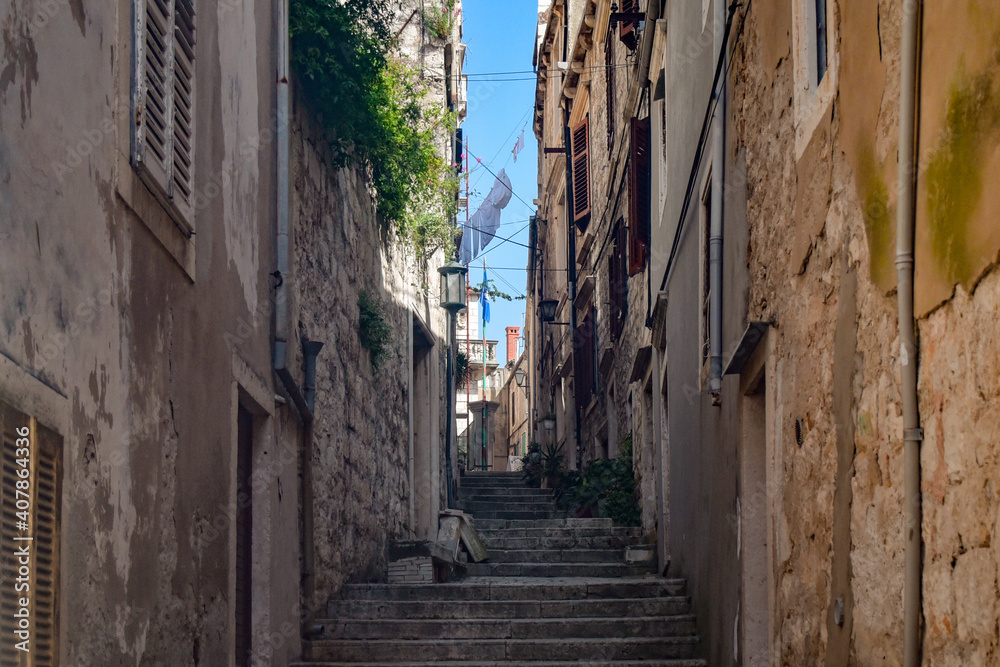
pixel 500 38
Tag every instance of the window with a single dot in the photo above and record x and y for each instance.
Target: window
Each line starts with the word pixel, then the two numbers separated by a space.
pixel 638 195
pixel 584 353
pixel 163 102
pixel 628 31
pixel 705 292
pixel 618 282
pixel 820 29
pixel 609 80
pixel 814 41
pixel 32 458
pixel 581 173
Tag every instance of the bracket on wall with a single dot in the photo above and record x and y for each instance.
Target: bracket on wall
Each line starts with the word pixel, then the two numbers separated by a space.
pixel 748 343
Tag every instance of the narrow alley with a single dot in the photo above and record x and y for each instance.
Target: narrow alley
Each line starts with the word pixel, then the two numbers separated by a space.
pixel 535 332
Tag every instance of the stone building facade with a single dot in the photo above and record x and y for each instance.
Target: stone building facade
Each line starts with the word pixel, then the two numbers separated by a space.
pixel 767 407
pixel 139 299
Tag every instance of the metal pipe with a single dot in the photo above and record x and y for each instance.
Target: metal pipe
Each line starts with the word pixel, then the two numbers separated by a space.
pixel 280 353
pixel 717 211
pixel 570 228
pixel 912 433
pixel 449 433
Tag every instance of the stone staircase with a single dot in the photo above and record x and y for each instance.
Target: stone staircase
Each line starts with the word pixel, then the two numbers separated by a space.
pixel 555 592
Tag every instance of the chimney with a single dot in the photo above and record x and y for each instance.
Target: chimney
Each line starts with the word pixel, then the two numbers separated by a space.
pixel 513 333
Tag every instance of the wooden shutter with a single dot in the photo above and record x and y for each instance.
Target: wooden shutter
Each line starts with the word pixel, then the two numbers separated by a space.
pixel 47 460
pixel 164 98
pixel 44 463
pixel 628 30
pixel 583 361
pixel 183 120
pixel 638 195
pixel 152 117
pixel 581 173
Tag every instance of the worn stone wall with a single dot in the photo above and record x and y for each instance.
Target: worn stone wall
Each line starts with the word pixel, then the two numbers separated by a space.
pixel 821 226
pixel 142 338
pixel 366 478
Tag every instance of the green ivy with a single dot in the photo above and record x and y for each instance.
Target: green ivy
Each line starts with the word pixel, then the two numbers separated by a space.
pixel 440 20
pixel 374 110
pixel 373 330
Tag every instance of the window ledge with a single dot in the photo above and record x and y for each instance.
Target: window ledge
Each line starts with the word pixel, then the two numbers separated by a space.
pixel 157 218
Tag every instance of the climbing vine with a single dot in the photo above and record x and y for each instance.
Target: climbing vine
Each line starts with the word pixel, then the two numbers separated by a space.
pixel 373 330
pixel 374 110
pixel 440 20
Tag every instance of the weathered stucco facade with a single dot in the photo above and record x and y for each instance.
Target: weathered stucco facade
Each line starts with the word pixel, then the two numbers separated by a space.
pixel 140 332
pixel 781 500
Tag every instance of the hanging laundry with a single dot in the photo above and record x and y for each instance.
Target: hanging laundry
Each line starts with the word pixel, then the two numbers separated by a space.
pixel 519 146
pixel 485 222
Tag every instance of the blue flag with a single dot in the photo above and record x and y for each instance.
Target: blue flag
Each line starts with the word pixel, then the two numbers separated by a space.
pixel 484 299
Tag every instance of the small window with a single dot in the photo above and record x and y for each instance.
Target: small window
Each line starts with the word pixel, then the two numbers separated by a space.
pixel 30 502
pixel 618 282
pixel 163 102
pixel 705 291
pixel 820 20
pixel 638 194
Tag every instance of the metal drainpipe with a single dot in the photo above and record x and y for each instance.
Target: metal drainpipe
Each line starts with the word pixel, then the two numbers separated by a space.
pixel 715 228
pixel 280 352
pixel 571 232
pixel 912 433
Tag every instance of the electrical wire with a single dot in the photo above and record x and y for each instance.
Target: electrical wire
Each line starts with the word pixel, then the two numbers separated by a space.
pixel 479 161
pixel 504 239
pixel 721 68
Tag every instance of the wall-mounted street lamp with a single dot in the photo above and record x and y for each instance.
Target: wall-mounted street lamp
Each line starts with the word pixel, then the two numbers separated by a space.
pixel 547 312
pixel 519 377
pixel 453 286
pixel 452 300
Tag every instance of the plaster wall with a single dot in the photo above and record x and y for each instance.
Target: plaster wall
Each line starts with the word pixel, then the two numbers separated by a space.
pixel 150 339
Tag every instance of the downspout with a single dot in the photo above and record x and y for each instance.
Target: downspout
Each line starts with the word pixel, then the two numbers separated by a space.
pixel 649 33
pixel 715 227
pixel 571 232
pixel 281 316
pixel 912 433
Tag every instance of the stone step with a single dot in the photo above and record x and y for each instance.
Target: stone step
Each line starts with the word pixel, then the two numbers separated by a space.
pixel 557 555
pixel 494 588
pixel 391 651
pixel 665 606
pixel 495 543
pixel 512 515
pixel 509 628
pixel 475 507
pixel 483 524
pixel 514 533
pixel 505 491
pixel 481 482
pixel 557 569
pixel 681 662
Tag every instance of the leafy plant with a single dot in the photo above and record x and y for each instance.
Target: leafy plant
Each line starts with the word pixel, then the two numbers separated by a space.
pixel 607 488
pixel 440 20
pixel 461 368
pixel 552 464
pixel 374 110
pixel 373 330
pixel 531 471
